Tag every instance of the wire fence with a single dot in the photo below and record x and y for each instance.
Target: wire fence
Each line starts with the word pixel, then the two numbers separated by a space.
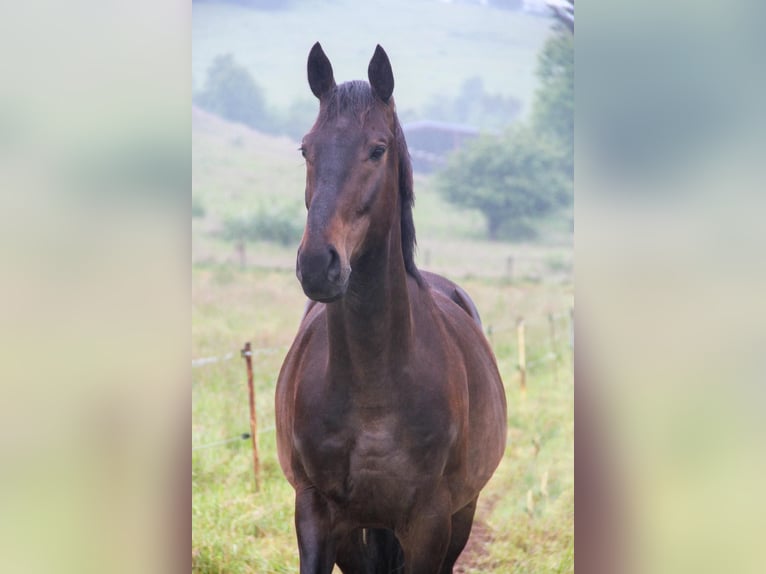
pixel 555 354
pixel 243 436
pixel 201 362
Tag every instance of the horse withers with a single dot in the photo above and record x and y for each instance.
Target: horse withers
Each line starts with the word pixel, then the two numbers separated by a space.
pixel 391 413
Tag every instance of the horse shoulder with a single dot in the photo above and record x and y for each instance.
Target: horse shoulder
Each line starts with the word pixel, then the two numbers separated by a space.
pixel 295 368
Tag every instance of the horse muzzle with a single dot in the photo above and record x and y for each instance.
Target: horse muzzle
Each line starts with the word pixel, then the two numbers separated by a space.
pixel 323 276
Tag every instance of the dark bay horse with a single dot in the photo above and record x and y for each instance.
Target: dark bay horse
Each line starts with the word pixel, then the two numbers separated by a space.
pixel 391 413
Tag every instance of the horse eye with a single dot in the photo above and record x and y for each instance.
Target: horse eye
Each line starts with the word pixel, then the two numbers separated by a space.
pixel 377 152
pixel 303 151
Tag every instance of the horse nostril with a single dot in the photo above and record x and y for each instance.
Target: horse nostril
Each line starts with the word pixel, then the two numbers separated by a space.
pixel 333 269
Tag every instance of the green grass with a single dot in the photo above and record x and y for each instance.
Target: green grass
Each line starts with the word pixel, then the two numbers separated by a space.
pixel 236 529
pixel 433 46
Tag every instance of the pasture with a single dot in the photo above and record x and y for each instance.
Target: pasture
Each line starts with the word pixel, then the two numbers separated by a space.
pixel 525 520
pixel 526 513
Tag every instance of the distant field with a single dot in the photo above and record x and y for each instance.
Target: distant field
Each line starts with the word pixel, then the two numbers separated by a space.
pixel 236 169
pixel 434 46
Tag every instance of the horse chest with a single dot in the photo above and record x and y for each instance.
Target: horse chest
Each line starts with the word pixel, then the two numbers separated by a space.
pixel 370 464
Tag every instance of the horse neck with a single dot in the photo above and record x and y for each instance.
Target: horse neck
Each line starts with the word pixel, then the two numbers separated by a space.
pixel 370 327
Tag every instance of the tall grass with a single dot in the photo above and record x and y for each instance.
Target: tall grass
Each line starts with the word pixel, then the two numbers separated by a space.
pixel 236 529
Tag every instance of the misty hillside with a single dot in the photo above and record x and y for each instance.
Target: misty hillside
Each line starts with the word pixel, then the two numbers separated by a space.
pixel 435 47
pixel 235 165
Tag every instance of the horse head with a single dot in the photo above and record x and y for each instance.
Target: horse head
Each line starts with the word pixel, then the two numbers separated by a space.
pixel 356 166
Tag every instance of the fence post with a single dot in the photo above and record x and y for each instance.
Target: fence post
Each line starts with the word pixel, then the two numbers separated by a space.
pixel 241 251
pixel 247 354
pixel 522 366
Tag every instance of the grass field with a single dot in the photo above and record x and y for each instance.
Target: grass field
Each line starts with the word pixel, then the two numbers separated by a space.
pixel 434 46
pixel 526 514
pixel 526 511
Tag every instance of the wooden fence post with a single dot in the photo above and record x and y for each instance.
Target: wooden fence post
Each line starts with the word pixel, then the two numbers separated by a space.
pixel 247 354
pixel 522 366
pixel 241 247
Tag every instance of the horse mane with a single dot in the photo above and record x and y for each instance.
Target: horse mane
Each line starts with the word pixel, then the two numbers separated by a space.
pixel 406 202
pixel 357 99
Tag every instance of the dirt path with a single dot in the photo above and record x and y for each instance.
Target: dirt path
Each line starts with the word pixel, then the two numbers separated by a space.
pixel 481 538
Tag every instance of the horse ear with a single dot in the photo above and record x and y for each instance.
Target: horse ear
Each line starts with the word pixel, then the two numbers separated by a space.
pixel 320 73
pixel 380 74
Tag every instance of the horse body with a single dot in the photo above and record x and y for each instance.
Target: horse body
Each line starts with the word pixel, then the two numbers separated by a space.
pixel 390 409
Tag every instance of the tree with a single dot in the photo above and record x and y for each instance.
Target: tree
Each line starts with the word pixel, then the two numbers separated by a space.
pixel 564 13
pixel 231 93
pixel 513 180
pixel 528 172
pixel 553 108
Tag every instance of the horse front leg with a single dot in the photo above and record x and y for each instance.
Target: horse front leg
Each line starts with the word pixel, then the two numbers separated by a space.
pixel 426 535
pixel 313 524
pixel 462 521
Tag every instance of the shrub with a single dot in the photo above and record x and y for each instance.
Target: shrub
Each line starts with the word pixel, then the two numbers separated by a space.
pixel 278 223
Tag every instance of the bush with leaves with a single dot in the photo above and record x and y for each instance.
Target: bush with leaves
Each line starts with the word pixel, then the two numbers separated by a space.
pixel 278 223
pixel 512 179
